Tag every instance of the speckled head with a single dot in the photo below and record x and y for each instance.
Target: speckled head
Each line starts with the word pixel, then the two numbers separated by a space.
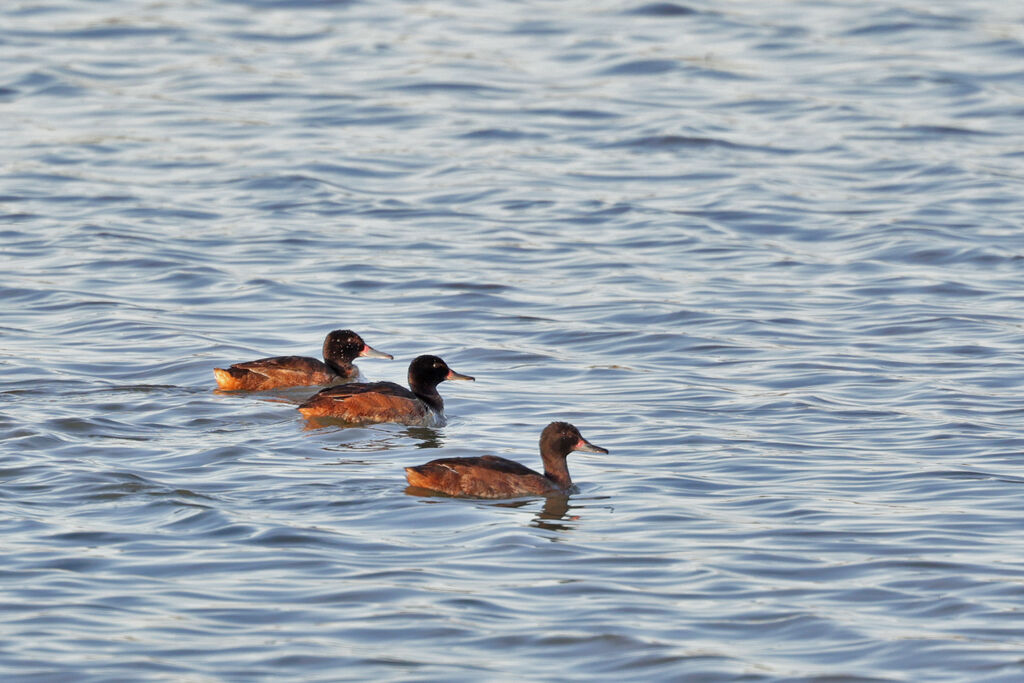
pixel 559 439
pixel 344 346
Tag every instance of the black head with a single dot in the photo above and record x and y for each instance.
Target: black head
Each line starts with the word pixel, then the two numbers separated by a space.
pixel 561 438
pixel 346 346
pixel 429 371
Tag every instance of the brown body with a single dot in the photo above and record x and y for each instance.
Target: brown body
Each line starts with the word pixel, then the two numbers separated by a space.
pixel 341 347
pixel 374 402
pixel 281 371
pixel 485 477
pixel 489 476
pixel 420 404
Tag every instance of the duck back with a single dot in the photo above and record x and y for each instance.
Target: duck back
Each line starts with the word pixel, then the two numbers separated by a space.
pixel 487 476
pixel 276 372
pixel 370 402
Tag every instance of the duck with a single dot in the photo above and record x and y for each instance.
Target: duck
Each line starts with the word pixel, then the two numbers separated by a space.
pixel 420 404
pixel 490 476
pixel 341 347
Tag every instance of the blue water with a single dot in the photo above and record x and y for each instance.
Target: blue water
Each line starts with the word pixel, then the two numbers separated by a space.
pixel 770 255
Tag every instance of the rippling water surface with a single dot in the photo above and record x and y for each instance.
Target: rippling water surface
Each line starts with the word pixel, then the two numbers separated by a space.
pixel 770 255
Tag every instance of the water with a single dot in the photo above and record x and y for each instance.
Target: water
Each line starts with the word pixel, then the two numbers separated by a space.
pixel 770 256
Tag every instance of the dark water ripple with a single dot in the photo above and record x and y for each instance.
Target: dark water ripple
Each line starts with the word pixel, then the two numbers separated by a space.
pixel 770 256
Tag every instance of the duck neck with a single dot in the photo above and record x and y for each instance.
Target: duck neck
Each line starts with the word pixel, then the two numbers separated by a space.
pixel 341 367
pixel 429 395
pixel 556 469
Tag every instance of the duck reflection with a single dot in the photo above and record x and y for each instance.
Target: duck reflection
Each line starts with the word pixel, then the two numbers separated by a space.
pixel 427 436
pixel 554 510
pixel 376 439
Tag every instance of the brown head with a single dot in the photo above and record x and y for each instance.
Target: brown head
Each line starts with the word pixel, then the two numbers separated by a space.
pixel 557 441
pixel 341 347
